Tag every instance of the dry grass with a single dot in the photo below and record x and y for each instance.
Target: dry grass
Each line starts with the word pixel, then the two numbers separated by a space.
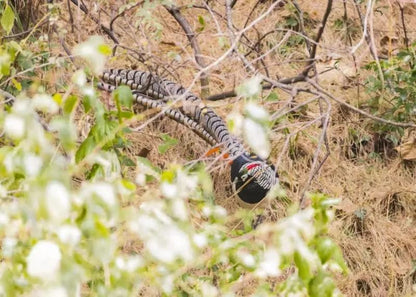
pixel 375 223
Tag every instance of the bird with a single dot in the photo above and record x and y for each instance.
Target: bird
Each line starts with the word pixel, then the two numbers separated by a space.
pixel 251 176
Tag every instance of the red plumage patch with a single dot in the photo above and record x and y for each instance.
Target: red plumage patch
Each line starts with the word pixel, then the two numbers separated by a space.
pixel 251 166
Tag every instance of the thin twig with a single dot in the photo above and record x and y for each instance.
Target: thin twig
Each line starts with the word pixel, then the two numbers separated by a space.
pixel 190 34
pixel 406 38
pixel 357 110
pixel 9 97
pixel 105 29
pixel 123 13
pixel 323 140
pixel 317 39
pixel 232 93
pixel 364 22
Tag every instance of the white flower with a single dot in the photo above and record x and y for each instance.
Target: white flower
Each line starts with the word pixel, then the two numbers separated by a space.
pixel 250 87
pixel 50 292
pixel 169 244
pixel 246 258
pixel 103 190
pixel 22 107
pixel 269 266
pixel 235 123
pixel 14 126
pixel 45 103
pixel 3 192
pixel 4 219
pixel 256 112
pixel 200 240
pixel 8 246
pixel 69 234
pixel 220 211
pixel 164 240
pixel 179 209
pixel 167 284
pixel 79 78
pixel 89 50
pixel 130 264
pixel 32 164
pixel 44 260
pixel 209 290
pixel 207 211
pixel 256 137
pixel 186 183
pixel 88 91
pixel 57 201
pixel 169 190
pixel 140 179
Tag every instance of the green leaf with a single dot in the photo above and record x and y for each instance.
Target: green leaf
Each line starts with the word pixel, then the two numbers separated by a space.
pixel 86 147
pixel 123 96
pixel 303 267
pixel 128 185
pixel 321 286
pixel 104 49
pixel 7 19
pixel 168 142
pixel 103 131
pixel 168 175
pixel 325 248
pixel 70 104
pixel 272 97
pixel 17 84
pixel 201 21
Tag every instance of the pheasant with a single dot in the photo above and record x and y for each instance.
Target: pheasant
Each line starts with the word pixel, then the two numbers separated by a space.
pixel 251 176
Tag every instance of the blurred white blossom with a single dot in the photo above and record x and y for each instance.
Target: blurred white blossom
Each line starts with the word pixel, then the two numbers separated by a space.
pixel 179 209
pixel 14 126
pixel 32 164
pixel 235 123
pixel 90 51
pixel 250 87
pixel 256 112
pixel 79 78
pixel 68 234
pixel 103 190
pixel 4 219
pixel 45 103
pixel 88 91
pixel 44 260
pixel 129 264
pixel 200 240
pixel 256 137
pixel 57 291
pixel 169 190
pixel 8 246
pixel 269 265
pixel 209 290
pixel 140 179
pixel 164 240
pixel 57 201
pixel 246 258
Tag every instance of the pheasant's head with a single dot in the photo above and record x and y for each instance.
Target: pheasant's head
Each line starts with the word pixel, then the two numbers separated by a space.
pixel 252 178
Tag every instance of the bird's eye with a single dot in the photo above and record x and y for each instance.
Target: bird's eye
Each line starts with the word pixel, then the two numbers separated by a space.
pixel 244 177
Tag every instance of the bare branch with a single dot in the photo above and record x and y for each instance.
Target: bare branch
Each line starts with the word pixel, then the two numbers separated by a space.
pixel 406 38
pixel 317 39
pixel 105 29
pixel 357 110
pixel 123 13
pixel 323 140
pixel 190 34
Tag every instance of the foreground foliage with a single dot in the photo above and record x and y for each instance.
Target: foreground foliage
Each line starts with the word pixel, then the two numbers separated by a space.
pixel 67 220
